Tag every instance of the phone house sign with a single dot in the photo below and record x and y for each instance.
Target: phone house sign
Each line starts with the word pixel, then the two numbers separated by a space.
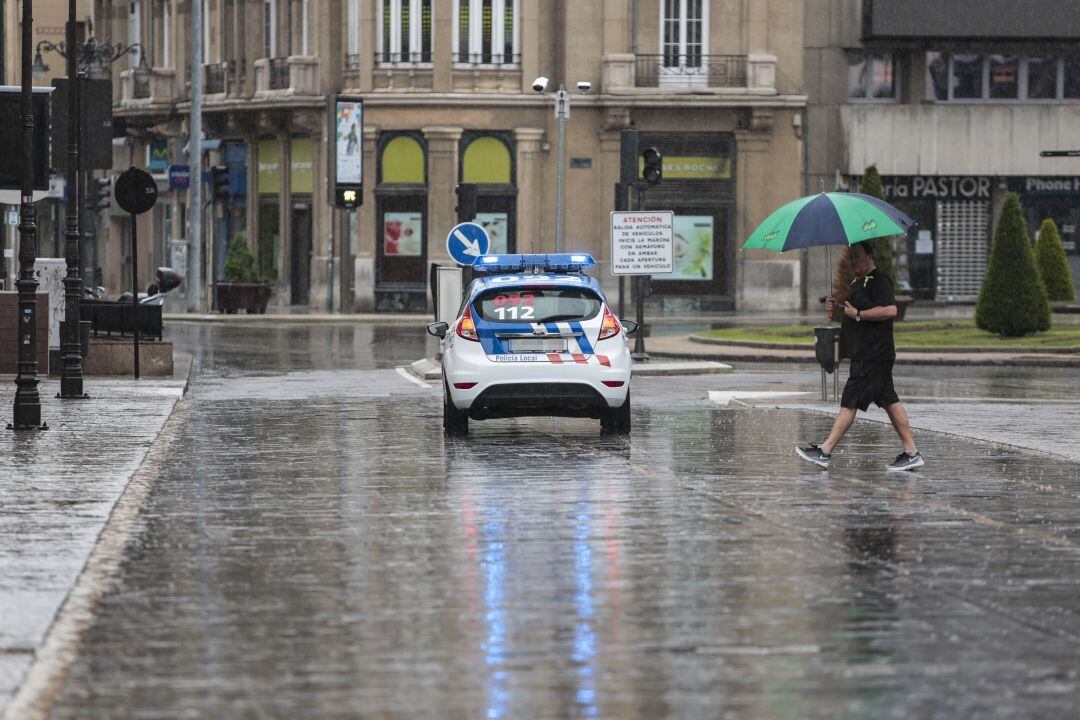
pixel 937 187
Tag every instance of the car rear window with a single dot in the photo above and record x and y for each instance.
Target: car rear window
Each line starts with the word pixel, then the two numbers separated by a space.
pixel 537 304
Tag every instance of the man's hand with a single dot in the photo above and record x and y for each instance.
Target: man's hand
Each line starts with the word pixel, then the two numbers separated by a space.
pixel 830 304
pixel 849 310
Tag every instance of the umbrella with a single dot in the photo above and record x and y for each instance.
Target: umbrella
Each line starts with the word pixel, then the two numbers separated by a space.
pixel 828 219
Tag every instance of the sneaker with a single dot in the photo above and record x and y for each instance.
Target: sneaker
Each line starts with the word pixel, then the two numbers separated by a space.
pixel 813 453
pixel 906 461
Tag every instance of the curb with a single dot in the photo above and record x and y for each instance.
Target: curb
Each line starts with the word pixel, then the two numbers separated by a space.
pixel 1067 350
pixel 957 360
pixel 284 318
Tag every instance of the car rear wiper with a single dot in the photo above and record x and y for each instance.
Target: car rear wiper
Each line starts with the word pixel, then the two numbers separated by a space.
pixel 560 318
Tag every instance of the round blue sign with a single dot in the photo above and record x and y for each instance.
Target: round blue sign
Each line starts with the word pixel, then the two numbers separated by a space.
pixel 466 242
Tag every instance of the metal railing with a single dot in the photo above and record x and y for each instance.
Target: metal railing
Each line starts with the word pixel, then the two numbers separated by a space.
pixel 486 59
pixel 215 78
pixel 410 58
pixel 279 73
pixel 691 69
pixel 352 61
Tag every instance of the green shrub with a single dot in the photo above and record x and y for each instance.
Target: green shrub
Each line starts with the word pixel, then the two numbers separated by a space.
pixel 1012 301
pixel 239 263
pixel 883 247
pixel 1052 264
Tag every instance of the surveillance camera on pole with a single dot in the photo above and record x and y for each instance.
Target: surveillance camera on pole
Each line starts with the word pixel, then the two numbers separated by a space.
pixel 540 84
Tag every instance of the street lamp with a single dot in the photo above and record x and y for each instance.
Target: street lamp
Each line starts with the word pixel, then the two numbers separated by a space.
pixel 562 113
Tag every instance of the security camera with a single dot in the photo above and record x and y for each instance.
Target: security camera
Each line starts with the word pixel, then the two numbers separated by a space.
pixel 540 84
pixel 584 86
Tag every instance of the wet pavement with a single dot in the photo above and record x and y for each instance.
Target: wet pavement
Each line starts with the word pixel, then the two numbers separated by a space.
pixel 312 547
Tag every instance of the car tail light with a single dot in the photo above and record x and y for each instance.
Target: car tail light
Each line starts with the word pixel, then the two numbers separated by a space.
pixel 614 383
pixel 611 326
pixel 466 328
pixel 470 386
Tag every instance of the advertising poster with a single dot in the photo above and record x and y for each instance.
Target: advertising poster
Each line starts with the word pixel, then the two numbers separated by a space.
pixel 693 236
pixel 350 136
pixel 402 233
pixel 498 230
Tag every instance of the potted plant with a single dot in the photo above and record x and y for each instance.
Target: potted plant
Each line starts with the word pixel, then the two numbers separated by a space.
pixel 241 289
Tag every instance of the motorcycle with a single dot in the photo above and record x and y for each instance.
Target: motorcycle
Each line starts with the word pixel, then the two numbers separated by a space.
pixel 166 279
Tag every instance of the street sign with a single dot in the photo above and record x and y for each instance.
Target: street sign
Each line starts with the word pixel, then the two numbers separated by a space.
pixel 13 218
pixel 136 191
pixel 641 242
pixel 466 242
pixel 179 177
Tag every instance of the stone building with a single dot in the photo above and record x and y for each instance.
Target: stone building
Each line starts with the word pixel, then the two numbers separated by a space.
pixel 447 98
pixel 953 102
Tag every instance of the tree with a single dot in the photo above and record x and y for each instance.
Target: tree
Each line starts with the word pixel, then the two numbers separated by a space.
pixel 883 247
pixel 1052 264
pixel 240 263
pixel 1012 301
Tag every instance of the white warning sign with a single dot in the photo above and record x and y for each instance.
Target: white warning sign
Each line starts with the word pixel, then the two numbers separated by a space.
pixel 641 242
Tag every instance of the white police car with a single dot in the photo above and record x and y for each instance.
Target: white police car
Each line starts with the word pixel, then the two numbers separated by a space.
pixel 535 336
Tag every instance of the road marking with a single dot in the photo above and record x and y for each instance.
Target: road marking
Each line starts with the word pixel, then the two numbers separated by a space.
pixel 412 378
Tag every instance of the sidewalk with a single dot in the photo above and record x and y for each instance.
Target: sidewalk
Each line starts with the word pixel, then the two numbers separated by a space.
pixel 58 489
pixel 684 348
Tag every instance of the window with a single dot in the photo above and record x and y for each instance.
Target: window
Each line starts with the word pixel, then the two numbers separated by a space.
pixel 405 31
pixel 1001 78
pixel 684 37
pixel 872 77
pixel 353 48
pixel 486 32
pixel 270 28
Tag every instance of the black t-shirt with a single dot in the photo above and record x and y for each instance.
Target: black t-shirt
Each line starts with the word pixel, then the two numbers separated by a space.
pixel 870 341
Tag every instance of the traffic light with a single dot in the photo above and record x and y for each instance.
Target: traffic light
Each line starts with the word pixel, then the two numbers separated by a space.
pixel 102 191
pixel 653 165
pixel 466 202
pixel 219 181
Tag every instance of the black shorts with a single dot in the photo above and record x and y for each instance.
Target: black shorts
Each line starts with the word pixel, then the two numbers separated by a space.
pixel 869 383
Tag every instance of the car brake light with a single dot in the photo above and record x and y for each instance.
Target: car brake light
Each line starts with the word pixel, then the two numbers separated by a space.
pixel 613 383
pixel 466 328
pixel 611 326
pixel 469 386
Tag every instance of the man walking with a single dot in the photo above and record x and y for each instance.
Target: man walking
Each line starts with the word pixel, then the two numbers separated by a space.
pixel 868 327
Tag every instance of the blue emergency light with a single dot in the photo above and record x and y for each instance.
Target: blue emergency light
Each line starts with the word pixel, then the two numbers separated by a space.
pixel 552 263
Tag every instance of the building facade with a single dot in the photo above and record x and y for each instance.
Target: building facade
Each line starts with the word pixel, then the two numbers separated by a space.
pixel 448 98
pixel 953 103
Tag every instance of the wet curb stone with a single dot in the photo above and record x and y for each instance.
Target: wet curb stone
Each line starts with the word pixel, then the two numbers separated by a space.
pixel 59 491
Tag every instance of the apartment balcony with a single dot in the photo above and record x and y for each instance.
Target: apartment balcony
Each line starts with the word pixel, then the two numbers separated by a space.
pixel 492 73
pixel 293 75
pixel 753 74
pixel 403 71
pixel 148 86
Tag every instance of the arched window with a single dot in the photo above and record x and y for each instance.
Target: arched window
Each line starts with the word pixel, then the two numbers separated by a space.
pixel 488 162
pixel 401 230
pixel 402 161
pixel 487 32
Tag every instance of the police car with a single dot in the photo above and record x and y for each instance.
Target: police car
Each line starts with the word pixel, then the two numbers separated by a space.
pixel 535 336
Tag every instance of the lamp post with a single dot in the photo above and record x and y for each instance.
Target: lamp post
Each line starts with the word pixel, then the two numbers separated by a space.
pixel 562 114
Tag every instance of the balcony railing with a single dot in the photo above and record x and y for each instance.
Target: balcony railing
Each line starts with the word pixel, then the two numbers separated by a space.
pixel 215 78
pixel 409 58
pixel 486 59
pixel 279 73
pixel 691 69
pixel 352 61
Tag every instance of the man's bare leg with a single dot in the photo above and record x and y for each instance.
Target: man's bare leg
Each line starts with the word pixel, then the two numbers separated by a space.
pixel 899 418
pixel 840 426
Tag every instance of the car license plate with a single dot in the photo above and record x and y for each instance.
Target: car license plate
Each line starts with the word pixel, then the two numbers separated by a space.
pixel 544 345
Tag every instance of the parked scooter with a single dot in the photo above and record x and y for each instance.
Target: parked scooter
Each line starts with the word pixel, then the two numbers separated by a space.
pixel 166 279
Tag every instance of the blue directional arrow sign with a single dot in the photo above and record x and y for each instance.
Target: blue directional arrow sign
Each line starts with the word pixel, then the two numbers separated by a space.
pixel 466 242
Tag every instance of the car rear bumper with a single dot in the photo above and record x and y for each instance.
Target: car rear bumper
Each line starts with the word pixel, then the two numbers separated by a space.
pixel 526 399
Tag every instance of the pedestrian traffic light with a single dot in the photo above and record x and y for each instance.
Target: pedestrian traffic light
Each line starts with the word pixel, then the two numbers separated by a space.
pixel 219 181
pixel 466 202
pixel 102 191
pixel 652 165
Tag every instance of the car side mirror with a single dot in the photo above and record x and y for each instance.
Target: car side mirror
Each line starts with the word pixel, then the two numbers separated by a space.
pixel 630 326
pixel 438 329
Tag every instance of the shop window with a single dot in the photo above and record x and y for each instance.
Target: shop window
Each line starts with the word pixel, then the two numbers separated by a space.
pixel 1004 77
pixel 967 77
pixel 403 161
pixel 487 162
pixel 1072 77
pixel 1042 75
pixel 486 32
pixel 401 224
pixel 404 31
pixel 1001 78
pixel 872 77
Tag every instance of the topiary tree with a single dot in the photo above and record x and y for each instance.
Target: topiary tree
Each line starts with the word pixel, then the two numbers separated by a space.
pixel 883 247
pixel 1012 301
pixel 240 263
pixel 1052 264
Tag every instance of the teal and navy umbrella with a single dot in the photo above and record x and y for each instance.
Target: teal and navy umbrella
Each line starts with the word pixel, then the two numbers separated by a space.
pixel 828 219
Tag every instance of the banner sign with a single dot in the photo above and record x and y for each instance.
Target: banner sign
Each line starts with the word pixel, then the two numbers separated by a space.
pixel 937 187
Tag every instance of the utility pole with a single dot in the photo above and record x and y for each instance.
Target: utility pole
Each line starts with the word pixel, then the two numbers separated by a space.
pixel 27 413
pixel 195 209
pixel 71 376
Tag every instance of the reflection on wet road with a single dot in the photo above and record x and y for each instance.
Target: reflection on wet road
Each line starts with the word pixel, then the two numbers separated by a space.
pixel 314 548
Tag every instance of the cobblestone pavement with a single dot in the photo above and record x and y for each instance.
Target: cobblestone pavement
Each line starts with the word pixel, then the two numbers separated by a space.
pixel 57 488
pixel 313 547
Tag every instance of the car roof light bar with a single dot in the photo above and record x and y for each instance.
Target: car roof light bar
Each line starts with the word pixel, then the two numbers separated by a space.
pixel 553 263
